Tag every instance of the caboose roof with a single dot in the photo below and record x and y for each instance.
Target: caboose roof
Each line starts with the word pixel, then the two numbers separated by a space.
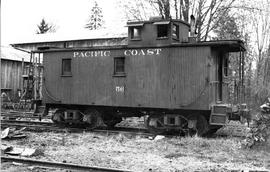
pixel 221 45
pixel 226 45
pixel 82 34
pixel 155 21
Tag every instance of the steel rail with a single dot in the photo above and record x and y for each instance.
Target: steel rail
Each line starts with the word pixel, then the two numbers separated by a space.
pixel 53 127
pixel 23 115
pixel 26 122
pixel 24 125
pixel 17 113
pixel 69 166
pixel 20 116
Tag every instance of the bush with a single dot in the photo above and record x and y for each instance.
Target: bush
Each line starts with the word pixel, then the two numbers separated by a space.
pixel 259 131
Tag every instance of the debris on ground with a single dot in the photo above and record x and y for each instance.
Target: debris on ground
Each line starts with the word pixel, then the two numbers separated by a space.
pixel 159 137
pixel 13 133
pixel 5 148
pixel 28 152
pixel 4 133
pixel 16 151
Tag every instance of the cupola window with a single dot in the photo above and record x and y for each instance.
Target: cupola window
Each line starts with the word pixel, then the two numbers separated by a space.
pixel 136 32
pixel 162 29
pixel 175 31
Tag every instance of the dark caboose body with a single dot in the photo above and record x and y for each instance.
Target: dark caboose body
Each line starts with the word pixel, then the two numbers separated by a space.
pixel 177 82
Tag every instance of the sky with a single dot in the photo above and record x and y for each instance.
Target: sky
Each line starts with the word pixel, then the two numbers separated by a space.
pixel 19 18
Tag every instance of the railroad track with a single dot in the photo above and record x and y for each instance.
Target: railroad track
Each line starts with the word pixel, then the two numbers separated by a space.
pixel 234 130
pixel 49 126
pixel 18 114
pixel 29 124
pixel 60 165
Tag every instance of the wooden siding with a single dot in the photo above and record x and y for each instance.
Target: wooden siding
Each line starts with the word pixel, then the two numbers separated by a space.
pixel 177 78
pixel 11 76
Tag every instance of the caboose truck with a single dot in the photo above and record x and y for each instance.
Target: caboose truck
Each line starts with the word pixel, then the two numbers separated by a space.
pixel 157 71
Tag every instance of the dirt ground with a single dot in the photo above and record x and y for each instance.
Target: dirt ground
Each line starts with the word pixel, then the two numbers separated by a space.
pixel 142 154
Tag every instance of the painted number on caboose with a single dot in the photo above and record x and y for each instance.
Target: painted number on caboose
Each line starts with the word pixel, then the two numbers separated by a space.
pixel 120 89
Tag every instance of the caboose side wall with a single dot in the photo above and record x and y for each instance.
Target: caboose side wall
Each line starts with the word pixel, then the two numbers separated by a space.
pixel 174 78
pixel 189 78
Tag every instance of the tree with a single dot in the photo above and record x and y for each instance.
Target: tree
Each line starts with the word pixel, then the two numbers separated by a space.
pixel 260 21
pixel 184 10
pixel 226 27
pixel 163 8
pixel 206 12
pixel 139 9
pixel 45 27
pixel 96 18
pixel 266 79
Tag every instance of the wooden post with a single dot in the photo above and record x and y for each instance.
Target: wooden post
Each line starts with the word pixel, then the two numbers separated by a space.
pixel 35 82
pixel 21 87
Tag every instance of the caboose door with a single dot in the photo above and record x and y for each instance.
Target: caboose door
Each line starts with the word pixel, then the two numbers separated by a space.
pixel 222 72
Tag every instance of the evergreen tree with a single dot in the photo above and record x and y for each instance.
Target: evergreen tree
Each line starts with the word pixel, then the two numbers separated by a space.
pixel 45 27
pixel 96 18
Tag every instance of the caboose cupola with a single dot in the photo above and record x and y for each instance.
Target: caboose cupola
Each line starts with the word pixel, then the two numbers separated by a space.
pixel 157 32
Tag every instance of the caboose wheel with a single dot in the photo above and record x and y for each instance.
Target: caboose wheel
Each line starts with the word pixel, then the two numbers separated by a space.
pixel 58 116
pixel 212 130
pixel 16 106
pixel 92 118
pixel 201 127
pixel 111 122
pixel 4 106
pixel 154 124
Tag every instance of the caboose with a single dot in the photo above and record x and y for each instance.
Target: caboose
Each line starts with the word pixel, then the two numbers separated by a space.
pixel 157 71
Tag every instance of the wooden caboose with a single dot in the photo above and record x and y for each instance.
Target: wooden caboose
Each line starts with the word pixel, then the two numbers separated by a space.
pixel 157 71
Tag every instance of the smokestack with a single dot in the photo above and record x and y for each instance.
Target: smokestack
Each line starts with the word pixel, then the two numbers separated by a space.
pixel 192 26
pixel 192 37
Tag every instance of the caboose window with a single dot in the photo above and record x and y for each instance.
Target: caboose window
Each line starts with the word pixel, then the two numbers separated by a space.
pixel 136 32
pixel 66 67
pixel 162 31
pixel 175 31
pixel 119 65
